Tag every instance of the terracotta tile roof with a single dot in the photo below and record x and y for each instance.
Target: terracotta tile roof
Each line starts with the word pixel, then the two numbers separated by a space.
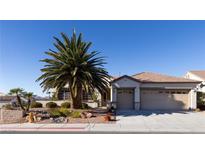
pixel 156 77
pixel 199 73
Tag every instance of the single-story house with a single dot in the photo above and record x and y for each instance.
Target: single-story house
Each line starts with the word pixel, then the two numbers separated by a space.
pixel 153 91
pixel 2 94
pixel 198 75
pixel 145 91
pixel 10 99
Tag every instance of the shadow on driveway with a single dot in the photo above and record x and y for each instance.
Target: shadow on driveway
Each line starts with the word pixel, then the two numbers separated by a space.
pixel 127 113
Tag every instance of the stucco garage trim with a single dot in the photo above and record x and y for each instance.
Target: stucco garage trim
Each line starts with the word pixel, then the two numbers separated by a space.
pixel 128 82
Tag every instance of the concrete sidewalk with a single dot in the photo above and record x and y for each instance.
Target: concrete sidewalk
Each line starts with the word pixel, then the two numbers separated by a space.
pixel 177 122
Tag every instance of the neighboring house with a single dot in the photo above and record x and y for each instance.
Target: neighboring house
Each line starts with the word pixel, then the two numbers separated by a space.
pixel 7 99
pixel 199 76
pixel 2 94
pixel 10 99
pixel 153 91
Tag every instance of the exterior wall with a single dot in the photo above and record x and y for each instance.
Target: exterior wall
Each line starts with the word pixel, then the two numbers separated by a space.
pixel 91 104
pixel 189 75
pixel 4 103
pixel 64 94
pixel 129 83
pixel 192 76
pixel 126 83
pixel 192 99
pixel 43 102
pixel 113 94
pixel 169 85
pixel 10 116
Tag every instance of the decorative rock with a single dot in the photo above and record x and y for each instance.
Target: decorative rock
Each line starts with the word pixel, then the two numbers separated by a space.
pixel 106 118
pixel 59 120
pixel 43 115
pixel 39 118
pixel 83 116
pixel 51 119
pixel 27 118
pixel 89 115
pixel 66 120
pixel 35 118
pixel 31 117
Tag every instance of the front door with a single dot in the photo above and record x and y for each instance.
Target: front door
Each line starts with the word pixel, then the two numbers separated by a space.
pixel 125 99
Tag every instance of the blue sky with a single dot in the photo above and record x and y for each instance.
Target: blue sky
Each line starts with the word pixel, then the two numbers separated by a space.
pixel 168 47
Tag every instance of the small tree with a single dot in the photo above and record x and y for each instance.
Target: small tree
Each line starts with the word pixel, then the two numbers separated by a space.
pixel 200 98
pixel 29 96
pixel 18 92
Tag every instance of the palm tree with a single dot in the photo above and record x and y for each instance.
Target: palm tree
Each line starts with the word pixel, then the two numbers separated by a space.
pixel 18 92
pixel 71 64
pixel 29 96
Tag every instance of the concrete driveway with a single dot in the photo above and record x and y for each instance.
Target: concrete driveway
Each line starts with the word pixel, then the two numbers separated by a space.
pixel 157 122
pixel 127 122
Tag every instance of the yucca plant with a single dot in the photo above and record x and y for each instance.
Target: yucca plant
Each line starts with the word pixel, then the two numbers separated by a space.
pixel 18 92
pixel 29 97
pixel 71 64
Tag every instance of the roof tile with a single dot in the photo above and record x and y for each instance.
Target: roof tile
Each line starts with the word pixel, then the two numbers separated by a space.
pixel 156 77
pixel 199 73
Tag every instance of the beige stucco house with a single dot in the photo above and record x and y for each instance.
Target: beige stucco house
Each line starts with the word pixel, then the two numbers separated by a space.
pixel 153 91
pixel 145 91
pixel 199 76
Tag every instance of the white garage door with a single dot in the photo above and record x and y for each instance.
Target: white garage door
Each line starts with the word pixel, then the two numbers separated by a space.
pixel 125 99
pixel 164 99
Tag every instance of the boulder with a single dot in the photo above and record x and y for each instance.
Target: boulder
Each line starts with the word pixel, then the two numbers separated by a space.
pixel 89 115
pixel 83 116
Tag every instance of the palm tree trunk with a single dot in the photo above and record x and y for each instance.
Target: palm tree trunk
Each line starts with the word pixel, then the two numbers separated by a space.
pixel 19 102
pixel 76 98
pixel 76 102
pixel 72 97
pixel 71 103
pixel 28 104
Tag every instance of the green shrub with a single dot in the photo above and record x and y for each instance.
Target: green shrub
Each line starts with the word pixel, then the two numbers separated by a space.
pixel 65 105
pixel 65 112
pixel 36 105
pixel 54 113
pixel 8 107
pixel 75 114
pixel 59 112
pixel 51 105
pixel 85 106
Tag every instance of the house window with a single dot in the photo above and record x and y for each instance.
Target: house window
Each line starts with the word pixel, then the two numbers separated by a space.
pixel 64 94
pixel 87 96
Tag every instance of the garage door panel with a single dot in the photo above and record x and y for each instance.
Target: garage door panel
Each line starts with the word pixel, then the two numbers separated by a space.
pixel 164 100
pixel 125 98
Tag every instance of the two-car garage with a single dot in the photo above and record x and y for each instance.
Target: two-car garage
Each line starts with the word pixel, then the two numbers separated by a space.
pixel 150 99
pixel 151 91
pixel 164 99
